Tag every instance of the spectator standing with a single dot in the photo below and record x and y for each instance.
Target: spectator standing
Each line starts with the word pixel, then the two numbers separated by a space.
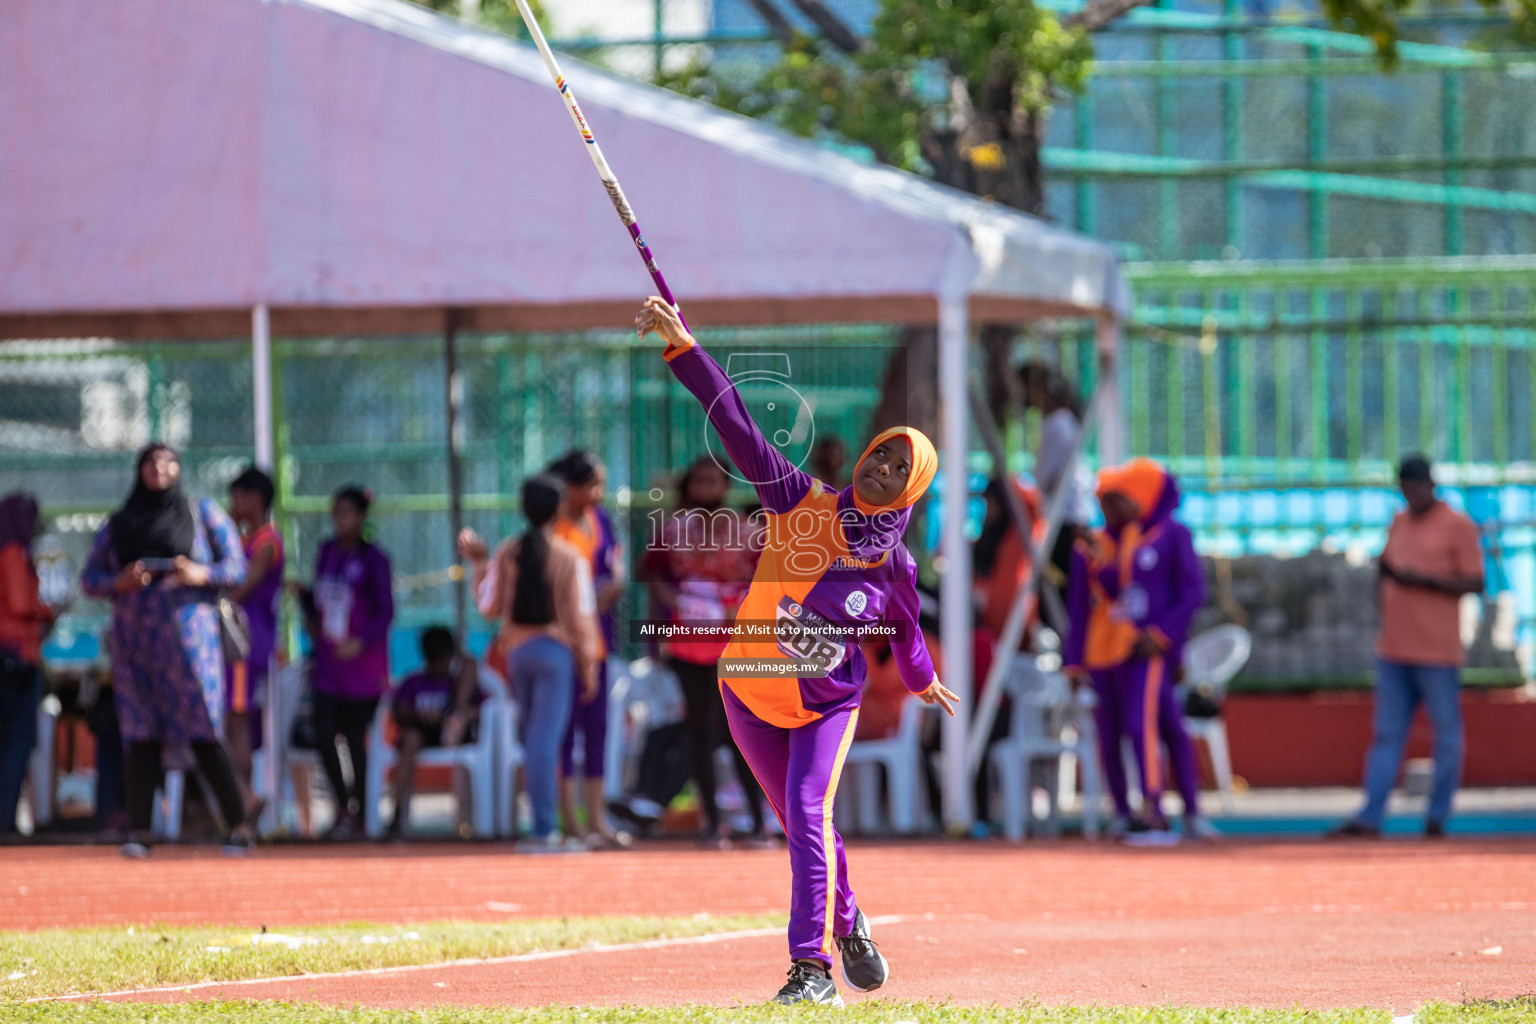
pixel 1003 561
pixel 1047 389
pixel 350 611
pixel 540 587
pixel 436 707
pixel 1432 559
pixel 584 524
pixel 161 560
pixel 698 575
pixel 250 505
pixel 24 621
pixel 1134 593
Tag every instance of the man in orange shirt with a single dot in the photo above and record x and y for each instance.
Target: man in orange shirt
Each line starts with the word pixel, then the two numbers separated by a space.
pixel 1432 559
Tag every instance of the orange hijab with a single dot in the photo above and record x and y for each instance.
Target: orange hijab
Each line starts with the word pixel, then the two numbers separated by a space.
pixel 1142 480
pixel 925 462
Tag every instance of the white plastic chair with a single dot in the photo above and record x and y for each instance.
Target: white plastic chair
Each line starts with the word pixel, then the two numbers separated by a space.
pixel 165 821
pixel 643 695
pixel 1048 723
pixel 1211 660
pixel 477 760
pixel 509 758
pixel 901 756
pixel 285 692
pixel 40 765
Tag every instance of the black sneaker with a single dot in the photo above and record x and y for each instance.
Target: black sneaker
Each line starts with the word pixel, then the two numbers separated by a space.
pixel 809 982
pixel 1353 829
pixel 643 824
pixel 864 969
pixel 1434 830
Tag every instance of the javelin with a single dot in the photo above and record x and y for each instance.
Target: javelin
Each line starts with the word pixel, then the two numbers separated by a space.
pixel 610 181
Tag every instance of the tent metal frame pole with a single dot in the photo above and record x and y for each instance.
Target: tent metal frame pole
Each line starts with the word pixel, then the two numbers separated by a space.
pixel 266 460
pixel 261 385
pixel 454 405
pixel 955 579
pixel 1025 600
pixel 1107 338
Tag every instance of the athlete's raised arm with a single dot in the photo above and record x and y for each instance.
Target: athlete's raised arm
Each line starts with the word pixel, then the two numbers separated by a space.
pixel 779 485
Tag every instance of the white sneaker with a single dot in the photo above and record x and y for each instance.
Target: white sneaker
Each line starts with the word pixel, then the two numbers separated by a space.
pixel 552 843
pixel 1152 838
pixel 1200 828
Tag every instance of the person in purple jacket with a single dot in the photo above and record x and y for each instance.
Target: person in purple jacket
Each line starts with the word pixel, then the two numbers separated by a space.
pixel 1135 588
pixel 832 571
pixel 350 610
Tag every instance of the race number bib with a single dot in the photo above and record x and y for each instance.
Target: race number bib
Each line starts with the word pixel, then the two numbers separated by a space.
pixel 334 598
pixel 1133 604
pixel 803 634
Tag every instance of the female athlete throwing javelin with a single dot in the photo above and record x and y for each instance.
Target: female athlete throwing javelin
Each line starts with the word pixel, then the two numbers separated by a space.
pixel 832 568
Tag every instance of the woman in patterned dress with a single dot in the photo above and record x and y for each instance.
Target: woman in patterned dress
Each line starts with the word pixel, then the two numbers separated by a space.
pixel 161 560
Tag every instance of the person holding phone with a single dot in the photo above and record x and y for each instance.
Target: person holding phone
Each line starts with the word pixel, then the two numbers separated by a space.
pixel 161 560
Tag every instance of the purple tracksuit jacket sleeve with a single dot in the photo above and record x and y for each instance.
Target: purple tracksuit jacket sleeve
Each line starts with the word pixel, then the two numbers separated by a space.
pixel 779 485
pixel 1077 611
pixel 380 606
pixel 1186 587
pixel 908 646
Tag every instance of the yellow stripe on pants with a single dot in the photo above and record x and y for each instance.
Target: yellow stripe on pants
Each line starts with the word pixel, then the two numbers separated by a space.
pixel 828 836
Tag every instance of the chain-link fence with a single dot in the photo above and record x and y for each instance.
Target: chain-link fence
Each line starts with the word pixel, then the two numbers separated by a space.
pixel 1281 402
pixel 373 412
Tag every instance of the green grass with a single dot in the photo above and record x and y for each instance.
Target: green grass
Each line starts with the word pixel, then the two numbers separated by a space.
pixel 871 1012
pixel 84 960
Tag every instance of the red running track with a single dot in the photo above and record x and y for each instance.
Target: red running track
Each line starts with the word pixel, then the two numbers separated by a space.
pixel 1390 925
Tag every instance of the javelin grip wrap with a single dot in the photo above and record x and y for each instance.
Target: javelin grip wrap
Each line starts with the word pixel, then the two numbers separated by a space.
pixel 610 181
pixel 619 202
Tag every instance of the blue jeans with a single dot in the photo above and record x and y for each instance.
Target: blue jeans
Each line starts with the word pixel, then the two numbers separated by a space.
pixel 18 735
pixel 1400 689
pixel 543 674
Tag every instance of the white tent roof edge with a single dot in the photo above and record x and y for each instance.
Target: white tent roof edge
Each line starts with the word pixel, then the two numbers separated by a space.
pixel 1003 244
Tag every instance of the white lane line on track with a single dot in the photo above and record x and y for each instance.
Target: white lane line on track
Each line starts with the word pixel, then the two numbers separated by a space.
pixel 520 958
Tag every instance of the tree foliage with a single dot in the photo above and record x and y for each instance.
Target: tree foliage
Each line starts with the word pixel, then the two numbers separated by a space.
pixel 957 89
pixel 1381 21
pixel 500 15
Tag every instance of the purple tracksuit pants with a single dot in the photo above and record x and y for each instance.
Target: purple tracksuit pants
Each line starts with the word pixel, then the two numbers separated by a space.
pixel 798 770
pixel 1136 699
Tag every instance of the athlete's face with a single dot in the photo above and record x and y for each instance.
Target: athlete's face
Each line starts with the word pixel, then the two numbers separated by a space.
pixel 881 476
pixel 1119 511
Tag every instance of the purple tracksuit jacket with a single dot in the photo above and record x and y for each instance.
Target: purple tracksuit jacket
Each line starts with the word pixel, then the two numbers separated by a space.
pixel 824 562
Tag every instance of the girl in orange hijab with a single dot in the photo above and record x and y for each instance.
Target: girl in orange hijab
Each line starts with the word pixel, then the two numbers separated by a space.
pixel 833 569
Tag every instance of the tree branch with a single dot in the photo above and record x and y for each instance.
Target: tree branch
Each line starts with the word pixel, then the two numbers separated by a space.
pixel 1099 13
pixel 834 29
pixel 776 22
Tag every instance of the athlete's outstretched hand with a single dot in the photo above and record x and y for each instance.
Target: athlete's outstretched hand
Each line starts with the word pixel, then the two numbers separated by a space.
pixel 659 316
pixel 938 693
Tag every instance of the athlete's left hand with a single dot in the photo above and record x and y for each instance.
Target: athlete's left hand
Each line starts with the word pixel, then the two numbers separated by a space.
pixel 658 315
pixel 1148 646
pixel 938 693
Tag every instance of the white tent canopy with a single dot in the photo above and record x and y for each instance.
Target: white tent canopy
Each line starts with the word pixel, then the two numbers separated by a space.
pixel 172 156
pixel 186 168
